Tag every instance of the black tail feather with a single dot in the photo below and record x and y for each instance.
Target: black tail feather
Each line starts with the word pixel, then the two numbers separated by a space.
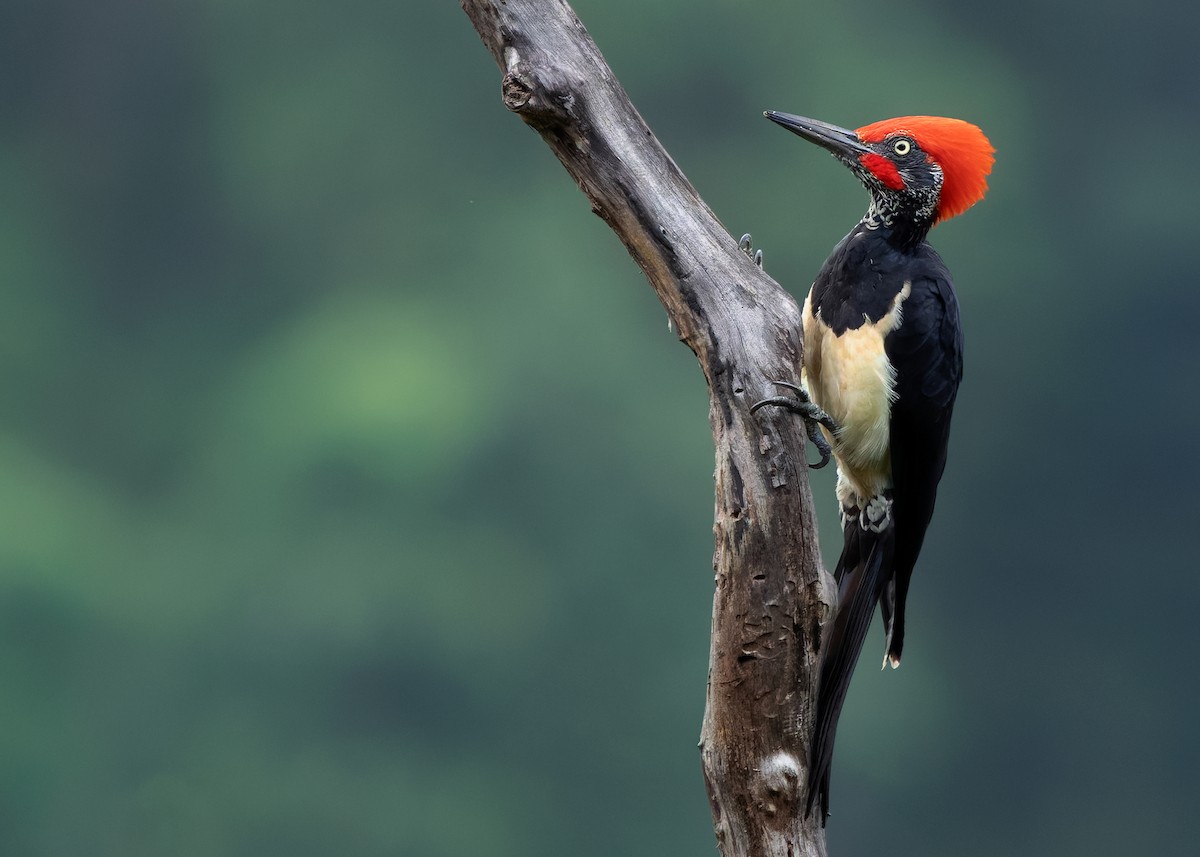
pixel 887 610
pixel 895 630
pixel 863 572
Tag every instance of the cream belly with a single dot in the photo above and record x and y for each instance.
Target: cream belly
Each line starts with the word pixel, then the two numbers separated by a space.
pixel 851 379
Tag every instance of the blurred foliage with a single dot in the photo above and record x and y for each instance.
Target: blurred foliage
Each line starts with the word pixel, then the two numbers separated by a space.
pixel 357 499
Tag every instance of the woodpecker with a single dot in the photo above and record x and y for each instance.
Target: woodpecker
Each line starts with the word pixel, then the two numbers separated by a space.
pixel 882 364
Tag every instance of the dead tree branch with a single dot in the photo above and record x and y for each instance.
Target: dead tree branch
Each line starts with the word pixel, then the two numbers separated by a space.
pixel 744 329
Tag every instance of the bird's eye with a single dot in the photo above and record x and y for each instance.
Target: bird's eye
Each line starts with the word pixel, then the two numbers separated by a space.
pixel 902 147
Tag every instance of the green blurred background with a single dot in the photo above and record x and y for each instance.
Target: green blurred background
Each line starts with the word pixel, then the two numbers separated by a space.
pixel 357 499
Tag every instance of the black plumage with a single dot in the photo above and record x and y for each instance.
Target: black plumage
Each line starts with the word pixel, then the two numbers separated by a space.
pixel 883 358
pixel 863 281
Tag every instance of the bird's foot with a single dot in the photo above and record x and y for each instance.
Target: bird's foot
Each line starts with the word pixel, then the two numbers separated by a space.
pixel 746 247
pixel 812 415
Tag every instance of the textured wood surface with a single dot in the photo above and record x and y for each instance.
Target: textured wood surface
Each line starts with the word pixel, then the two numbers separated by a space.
pixel 771 595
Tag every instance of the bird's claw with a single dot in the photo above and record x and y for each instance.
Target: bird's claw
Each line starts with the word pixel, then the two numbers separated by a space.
pixel 812 415
pixel 746 247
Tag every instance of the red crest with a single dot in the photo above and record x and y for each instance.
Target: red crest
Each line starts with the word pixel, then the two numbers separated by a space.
pixel 959 148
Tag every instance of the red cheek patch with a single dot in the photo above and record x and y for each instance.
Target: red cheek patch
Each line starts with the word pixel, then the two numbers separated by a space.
pixel 883 169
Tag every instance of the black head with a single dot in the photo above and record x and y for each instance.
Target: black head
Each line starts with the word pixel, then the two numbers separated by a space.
pixel 904 181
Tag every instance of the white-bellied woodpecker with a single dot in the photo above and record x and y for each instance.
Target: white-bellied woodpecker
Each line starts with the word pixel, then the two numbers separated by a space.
pixel 882 364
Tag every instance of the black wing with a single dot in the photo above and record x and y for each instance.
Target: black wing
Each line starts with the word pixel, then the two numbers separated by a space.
pixel 926 352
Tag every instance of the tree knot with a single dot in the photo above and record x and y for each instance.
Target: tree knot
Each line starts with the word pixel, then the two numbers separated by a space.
pixel 535 94
pixel 517 89
pixel 777 786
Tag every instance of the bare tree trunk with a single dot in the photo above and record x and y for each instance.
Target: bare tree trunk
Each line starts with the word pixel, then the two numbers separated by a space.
pixel 771 596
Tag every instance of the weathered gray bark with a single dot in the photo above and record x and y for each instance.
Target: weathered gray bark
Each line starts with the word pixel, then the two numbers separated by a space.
pixel 770 597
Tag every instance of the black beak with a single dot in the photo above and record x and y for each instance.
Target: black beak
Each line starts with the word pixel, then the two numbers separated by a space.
pixel 840 141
